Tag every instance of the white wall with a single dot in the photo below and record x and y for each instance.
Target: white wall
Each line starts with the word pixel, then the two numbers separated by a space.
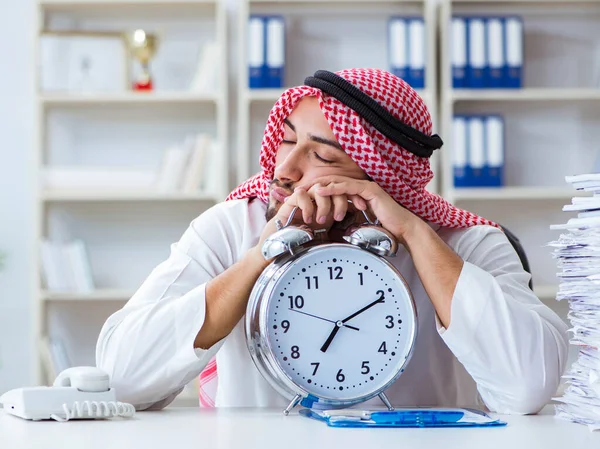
pixel 16 181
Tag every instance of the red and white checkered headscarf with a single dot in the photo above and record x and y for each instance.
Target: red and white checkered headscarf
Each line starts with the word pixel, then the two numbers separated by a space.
pixel 399 172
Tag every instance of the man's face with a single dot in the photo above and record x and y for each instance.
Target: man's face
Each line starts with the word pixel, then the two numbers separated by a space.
pixel 309 150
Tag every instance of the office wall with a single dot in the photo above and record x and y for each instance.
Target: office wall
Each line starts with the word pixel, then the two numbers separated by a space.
pixel 16 189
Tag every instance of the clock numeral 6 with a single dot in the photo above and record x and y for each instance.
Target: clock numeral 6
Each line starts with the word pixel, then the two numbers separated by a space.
pixel 390 323
pixel 297 302
pixel 365 368
pixel 340 376
pixel 295 352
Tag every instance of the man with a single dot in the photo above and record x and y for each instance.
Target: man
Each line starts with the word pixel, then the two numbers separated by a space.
pixel 485 339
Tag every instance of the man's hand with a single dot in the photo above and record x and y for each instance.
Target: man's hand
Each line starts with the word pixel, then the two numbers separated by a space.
pixel 314 210
pixel 438 266
pixel 393 217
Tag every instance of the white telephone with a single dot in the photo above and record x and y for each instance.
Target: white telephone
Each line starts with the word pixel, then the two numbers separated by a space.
pixel 81 392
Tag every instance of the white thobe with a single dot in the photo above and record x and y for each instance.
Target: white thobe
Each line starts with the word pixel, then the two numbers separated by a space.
pixel 504 350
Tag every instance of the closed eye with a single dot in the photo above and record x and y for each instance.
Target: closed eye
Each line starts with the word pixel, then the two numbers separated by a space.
pixel 288 142
pixel 323 160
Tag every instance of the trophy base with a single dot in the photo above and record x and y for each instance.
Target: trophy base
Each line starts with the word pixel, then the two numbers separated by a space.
pixel 142 86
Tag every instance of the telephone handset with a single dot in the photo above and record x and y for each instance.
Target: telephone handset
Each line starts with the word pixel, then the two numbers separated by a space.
pixel 81 392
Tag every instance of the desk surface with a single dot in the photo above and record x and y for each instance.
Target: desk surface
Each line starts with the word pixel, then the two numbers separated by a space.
pixel 183 428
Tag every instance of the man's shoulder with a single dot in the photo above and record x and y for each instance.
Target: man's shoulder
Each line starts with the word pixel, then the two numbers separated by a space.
pixel 464 240
pixel 234 213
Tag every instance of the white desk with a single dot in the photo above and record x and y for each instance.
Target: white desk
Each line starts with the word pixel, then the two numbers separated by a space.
pixel 183 428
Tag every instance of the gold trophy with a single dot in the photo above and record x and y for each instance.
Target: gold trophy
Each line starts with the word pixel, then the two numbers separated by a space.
pixel 142 46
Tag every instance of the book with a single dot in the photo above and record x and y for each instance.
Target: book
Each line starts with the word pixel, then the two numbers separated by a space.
pixel 173 166
pixel 398 47
pixel 275 52
pixel 478 150
pixel 65 267
pixel 205 77
pixel 458 42
pixel 256 52
pixel 195 174
pixel 416 53
pixel 476 67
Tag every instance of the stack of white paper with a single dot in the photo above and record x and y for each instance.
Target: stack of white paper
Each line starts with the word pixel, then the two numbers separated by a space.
pixel 577 252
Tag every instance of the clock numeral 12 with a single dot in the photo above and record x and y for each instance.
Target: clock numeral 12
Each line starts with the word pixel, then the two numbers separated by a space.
pixel 338 272
pixel 316 279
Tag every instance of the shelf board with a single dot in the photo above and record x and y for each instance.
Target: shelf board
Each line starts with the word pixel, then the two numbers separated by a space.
pixel 522 2
pixel 371 2
pixel 272 95
pixel 514 193
pixel 526 94
pixel 121 195
pixel 125 3
pixel 96 295
pixel 125 98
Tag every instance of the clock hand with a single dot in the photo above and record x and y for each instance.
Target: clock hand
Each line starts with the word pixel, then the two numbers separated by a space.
pixel 341 323
pixel 324 319
pixel 330 338
pixel 363 309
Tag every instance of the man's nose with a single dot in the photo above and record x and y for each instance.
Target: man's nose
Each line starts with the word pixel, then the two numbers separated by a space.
pixel 291 168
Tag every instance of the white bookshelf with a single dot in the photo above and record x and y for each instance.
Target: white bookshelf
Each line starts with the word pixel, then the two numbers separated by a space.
pixel 526 94
pixel 93 196
pixel 511 193
pixel 95 295
pixel 551 124
pixel 114 8
pixel 345 32
pixel 126 231
pixel 129 98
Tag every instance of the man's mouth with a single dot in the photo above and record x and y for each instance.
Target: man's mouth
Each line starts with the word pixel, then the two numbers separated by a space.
pixel 279 194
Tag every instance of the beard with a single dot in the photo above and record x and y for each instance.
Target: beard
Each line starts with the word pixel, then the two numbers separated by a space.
pixel 274 205
pixel 272 209
pixel 338 227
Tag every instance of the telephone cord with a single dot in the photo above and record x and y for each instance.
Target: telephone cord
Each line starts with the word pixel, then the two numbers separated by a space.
pixel 95 409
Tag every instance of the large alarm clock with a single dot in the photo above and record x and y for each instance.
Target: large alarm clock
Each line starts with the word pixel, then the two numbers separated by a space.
pixel 330 325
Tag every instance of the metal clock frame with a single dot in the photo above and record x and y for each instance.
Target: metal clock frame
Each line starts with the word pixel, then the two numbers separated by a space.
pixel 257 332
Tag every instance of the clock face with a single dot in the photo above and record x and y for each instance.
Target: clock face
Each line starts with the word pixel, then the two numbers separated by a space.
pixel 341 322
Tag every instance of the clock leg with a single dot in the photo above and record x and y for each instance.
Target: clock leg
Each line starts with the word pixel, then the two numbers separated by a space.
pixel 386 401
pixel 292 404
